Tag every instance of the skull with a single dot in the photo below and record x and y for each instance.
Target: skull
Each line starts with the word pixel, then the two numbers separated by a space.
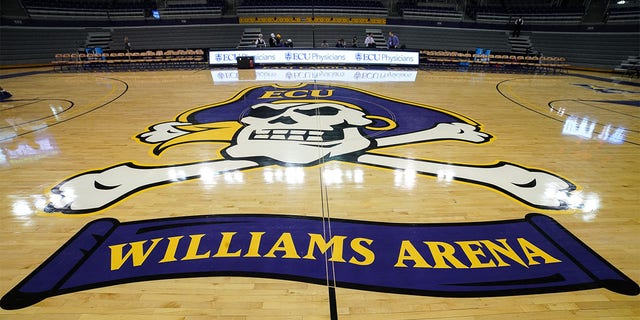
pixel 300 133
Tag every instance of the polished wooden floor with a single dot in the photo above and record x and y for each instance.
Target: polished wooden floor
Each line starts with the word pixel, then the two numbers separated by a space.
pixel 58 125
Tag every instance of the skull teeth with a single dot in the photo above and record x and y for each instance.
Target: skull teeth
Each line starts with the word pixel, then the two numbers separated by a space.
pixel 290 135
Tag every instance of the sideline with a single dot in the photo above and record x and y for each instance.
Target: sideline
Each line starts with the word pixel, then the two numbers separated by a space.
pixel 22 74
pixel 624 82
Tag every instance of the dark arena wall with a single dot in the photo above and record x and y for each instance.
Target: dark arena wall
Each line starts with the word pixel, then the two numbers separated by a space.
pixel 594 37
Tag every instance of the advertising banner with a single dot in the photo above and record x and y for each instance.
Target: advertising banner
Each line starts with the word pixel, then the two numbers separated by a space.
pixel 317 57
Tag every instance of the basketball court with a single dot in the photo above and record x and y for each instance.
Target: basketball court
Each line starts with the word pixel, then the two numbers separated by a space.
pixel 319 193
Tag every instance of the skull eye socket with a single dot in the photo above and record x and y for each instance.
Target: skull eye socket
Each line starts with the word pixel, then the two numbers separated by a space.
pixel 264 112
pixel 322 111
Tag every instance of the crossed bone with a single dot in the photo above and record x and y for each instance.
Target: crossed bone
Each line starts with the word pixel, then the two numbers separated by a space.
pixel 96 190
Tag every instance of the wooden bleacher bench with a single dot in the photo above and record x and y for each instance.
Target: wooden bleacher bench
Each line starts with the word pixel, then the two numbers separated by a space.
pixel 494 62
pixel 130 61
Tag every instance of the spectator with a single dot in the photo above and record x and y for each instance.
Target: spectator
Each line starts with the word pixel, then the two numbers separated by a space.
pixel 354 42
pixel 260 43
pixel 272 40
pixel 340 43
pixel 369 42
pixel 393 42
pixel 289 43
pixel 279 42
pixel 324 44
pixel 4 94
pixel 517 25
pixel 127 44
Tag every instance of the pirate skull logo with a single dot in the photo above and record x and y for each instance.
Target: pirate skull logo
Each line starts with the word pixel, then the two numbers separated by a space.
pixel 274 125
pixel 299 133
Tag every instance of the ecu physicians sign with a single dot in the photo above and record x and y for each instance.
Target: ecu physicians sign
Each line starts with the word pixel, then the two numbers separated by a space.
pixel 318 57
pixel 532 255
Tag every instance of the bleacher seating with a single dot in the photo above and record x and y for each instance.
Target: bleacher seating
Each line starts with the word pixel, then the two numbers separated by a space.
pixel 87 10
pixel 24 46
pixel 483 60
pixel 193 9
pixel 594 50
pixel 493 15
pixel 122 10
pixel 34 44
pixel 629 67
pixel 178 37
pixel 452 39
pixel 130 61
pixel 533 12
pixel 249 36
pixel 433 10
pixel 623 14
pixel 372 8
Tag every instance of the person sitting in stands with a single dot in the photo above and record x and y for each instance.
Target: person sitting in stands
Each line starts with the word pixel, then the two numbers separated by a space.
pixel 127 44
pixel 272 40
pixel 260 43
pixel 340 43
pixel 289 43
pixel 369 42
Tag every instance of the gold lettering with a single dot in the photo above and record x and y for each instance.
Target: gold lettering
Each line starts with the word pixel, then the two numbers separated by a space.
pixel 442 251
pixel 367 254
pixel 505 250
pixel 136 252
pixel 225 243
pixel 192 250
pixel 531 251
pixel 317 240
pixel 271 94
pixel 254 245
pixel 318 93
pixel 296 94
pixel 285 244
pixel 473 254
pixel 409 252
pixel 172 247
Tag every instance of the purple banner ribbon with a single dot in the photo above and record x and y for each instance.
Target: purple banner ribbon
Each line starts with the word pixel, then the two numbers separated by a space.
pixel 499 258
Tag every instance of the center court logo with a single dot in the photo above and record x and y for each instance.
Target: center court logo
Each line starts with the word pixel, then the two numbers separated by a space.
pixel 307 125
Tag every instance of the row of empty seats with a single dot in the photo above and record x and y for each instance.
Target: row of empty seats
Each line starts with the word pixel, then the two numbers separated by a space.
pixel 374 8
pixel 130 61
pixel 316 3
pixel 533 11
pixel 498 12
pixel 630 67
pixel 493 62
pixel 445 11
pixel 88 10
pixel 623 14
pixel 93 4
pixel 547 16
pixel 567 12
pixel 120 9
